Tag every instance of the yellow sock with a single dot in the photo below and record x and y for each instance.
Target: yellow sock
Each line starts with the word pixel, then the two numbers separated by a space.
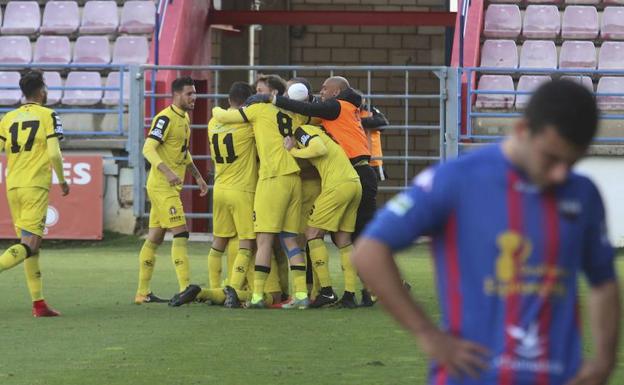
pixel 282 268
pixel 147 261
pixel 299 279
pixel 13 256
pixel 316 285
pixel 260 276
pixel 179 256
pixel 232 252
pixel 216 296
pixel 241 264
pixel 350 275
pixel 320 261
pixel 214 268
pixel 33 277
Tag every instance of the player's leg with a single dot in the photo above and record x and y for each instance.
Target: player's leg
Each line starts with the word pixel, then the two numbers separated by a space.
pixel 223 230
pixel 320 263
pixel 215 260
pixel 230 252
pixel 15 254
pixel 342 239
pixel 281 264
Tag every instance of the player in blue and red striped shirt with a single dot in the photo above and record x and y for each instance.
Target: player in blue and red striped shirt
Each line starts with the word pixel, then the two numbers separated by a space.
pixel 511 227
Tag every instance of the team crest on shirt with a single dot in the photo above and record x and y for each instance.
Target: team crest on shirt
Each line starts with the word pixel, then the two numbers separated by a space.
pixel 172 210
pixel 158 129
pixel 528 342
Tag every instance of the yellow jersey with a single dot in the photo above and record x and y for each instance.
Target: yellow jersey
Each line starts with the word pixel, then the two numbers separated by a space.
pixel 25 131
pixel 334 167
pixel 172 129
pixel 270 126
pixel 234 155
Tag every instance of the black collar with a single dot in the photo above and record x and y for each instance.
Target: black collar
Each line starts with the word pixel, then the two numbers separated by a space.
pixel 176 112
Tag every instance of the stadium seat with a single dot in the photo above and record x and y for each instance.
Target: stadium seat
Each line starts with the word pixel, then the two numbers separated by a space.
pixel 92 50
pixel 99 17
pixel 538 54
pixel 577 54
pixel 495 83
pixel 499 53
pixel 528 83
pixel 60 17
pixel 21 17
pixel 53 79
pixel 52 49
pixel 502 20
pixel 82 97
pixel 589 2
pixel 613 2
pixel 611 55
pixel 610 84
pixel 9 97
pixel 612 27
pixel 544 1
pixel 131 50
pixel 15 49
pixel 541 22
pixel 138 17
pixel 111 98
pixel 579 22
pixel 585 81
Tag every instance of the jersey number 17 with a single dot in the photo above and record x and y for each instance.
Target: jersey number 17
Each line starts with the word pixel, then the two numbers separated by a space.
pixel 32 126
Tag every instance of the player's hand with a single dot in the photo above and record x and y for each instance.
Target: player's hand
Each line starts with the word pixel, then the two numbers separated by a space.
pixel 459 357
pixel 289 143
pixel 258 98
pixel 172 178
pixel 594 372
pixel 203 187
pixel 65 188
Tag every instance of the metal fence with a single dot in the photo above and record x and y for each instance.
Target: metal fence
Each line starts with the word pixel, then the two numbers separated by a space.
pixel 367 76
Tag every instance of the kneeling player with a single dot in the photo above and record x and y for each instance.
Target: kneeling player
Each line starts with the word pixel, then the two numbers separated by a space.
pixel 334 210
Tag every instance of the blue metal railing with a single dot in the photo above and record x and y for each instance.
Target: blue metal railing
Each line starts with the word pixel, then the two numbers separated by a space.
pixel 119 109
pixel 512 112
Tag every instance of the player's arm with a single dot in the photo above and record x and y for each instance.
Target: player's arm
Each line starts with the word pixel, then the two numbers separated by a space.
pixel 312 145
pixel 151 155
pixel 604 302
pixel 329 109
pixel 232 116
pixel 190 166
pixel 54 132
pixel 422 209
pixel 376 121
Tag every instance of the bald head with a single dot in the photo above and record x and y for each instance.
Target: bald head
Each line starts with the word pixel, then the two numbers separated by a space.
pixel 333 86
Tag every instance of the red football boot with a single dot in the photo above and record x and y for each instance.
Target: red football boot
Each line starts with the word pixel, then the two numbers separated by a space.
pixel 41 309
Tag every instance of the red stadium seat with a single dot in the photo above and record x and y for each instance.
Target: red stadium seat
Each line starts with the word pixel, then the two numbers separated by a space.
pixel 585 81
pixel 495 83
pixel 541 21
pixel 9 97
pixel 15 49
pixel 610 84
pixel 99 17
pixel 612 27
pixel 577 54
pixel 528 84
pixel 579 22
pixel 111 98
pixel 53 79
pixel 502 20
pixel 92 50
pixel 131 50
pixel 613 2
pixel 611 55
pixel 138 17
pixel 544 1
pixel 592 2
pixel 60 17
pixel 538 54
pixel 499 53
pixel 82 97
pixel 52 49
pixel 21 17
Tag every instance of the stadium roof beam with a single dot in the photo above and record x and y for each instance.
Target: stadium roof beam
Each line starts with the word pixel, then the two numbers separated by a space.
pixel 412 18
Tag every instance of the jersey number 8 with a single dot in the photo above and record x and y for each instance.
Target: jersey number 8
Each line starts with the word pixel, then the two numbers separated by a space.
pixel 284 123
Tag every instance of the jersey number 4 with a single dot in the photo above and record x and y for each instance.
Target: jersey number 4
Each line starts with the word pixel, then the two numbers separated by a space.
pixel 32 125
pixel 228 140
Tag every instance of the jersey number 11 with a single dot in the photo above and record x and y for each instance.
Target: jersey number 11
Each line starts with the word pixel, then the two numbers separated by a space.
pixel 228 140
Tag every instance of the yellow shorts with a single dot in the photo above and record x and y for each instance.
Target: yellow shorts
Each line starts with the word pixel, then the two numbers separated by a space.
pixel 310 190
pixel 232 212
pixel 167 211
pixel 277 204
pixel 336 208
pixel 29 206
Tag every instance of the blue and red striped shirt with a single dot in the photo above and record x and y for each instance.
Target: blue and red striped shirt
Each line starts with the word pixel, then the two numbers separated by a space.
pixel 507 256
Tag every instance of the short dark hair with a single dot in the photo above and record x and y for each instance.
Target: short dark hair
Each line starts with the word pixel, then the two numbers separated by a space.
pixel 239 92
pixel 179 83
pixel 566 106
pixel 275 82
pixel 31 82
pixel 307 85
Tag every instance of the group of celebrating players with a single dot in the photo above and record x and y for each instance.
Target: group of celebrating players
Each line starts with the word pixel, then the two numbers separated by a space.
pixel 288 170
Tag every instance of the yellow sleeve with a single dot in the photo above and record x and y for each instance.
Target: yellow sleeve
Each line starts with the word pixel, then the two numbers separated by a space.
pixel 242 115
pixel 3 135
pixel 313 148
pixel 159 130
pixel 56 159
pixel 150 153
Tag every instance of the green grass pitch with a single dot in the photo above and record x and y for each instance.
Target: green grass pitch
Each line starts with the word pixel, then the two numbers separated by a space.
pixel 102 338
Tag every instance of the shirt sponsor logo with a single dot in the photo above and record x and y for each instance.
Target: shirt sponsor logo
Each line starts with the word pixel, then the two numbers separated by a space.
pixel 400 204
pixel 157 131
pixel 58 126
pixel 570 209
pixel 304 139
